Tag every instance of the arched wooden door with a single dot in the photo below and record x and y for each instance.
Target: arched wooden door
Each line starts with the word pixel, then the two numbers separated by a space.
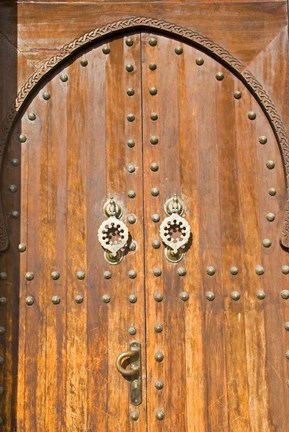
pixel 142 118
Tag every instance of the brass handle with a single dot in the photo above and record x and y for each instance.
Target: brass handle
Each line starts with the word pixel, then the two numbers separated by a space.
pixel 134 373
pixel 121 369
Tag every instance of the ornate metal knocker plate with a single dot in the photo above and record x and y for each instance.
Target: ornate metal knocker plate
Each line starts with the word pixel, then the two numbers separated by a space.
pixel 113 234
pixel 175 231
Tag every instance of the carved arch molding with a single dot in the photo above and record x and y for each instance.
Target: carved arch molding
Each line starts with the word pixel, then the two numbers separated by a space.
pixel 159 26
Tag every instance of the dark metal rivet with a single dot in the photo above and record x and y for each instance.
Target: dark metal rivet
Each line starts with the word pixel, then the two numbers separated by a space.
pixel 106 50
pixel 155 217
pixel 13 188
pixel 132 298
pixel 83 63
pixel 132 274
pixel 159 385
pixel 131 117
pixel 3 301
pixel 55 275
pixel 160 415
pixel 29 300
pixel 1 390
pixel 154 166
pixel 2 330
pixel 131 219
pixel 22 138
pixel 270 217
pixel 210 270
pixel 131 168
pixel 262 139
pixel 184 296
pixel 158 328
pixel 154 140
pixel 106 298
pixel 129 41
pixel 132 246
pixel 131 143
pixel 15 214
pixel 46 95
pixel 179 50
pixel 200 61
pixel 154 116
pixel 153 41
pixel 2 360
pixel 285 269
pixel 159 356
pixel 55 299
pixel 286 325
pixel 210 295
pixel 107 274
pixel 79 299
pixel 3 276
pixel 152 66
pixel 156 244
pixel 80 274
pixel 131 194
pixel 251 115
pixel 259 269
pixel 129 67
pixel 287 355
pixel 260 294
pixel 15 162
pixel 237 94
pixel 158 297
pixel 272 191
pixel 182 271
pixel 32 116
pixel 157 271
pixel 132 330
pixel 130 91
pixel 64 77
pixel 234 270
pixel 29 276
pixel 266 243
pixel 153 91
pixel 155 192
pixel 285 294
pixel 235 295
pixel 270 164
pixel 134 415
pixel 219 76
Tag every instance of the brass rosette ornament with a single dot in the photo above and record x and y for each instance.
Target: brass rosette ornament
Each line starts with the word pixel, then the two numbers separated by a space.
pixel 113 234
pixel 175 231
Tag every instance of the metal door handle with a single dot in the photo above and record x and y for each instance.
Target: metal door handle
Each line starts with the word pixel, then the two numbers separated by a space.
pixel 126 372
pixel 134 373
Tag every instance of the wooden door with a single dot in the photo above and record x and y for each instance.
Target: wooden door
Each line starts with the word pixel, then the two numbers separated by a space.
pixel 142 117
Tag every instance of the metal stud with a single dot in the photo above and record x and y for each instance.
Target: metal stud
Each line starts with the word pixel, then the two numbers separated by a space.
pixel 132 298
pixel 211 270
pixel 287 354
pixel 155 192
pixel 106 298
pixel 106 50
pixel 130 91
pixel 134 415
pixel 266 243
pixel 153 41
pixel 130 143
pixel 156 244
pixel 132 274
pixel 160 415
pixel 129 67
pixel 259 270
pixel 1 390
pixel 131 194
pixel 182 271
pixel 132 330
pixel 2 360
pixel 272 191
pixel 251 115
pixel 32 116
pixel 158 328
pixel 153 91
pixel 29 276
pixel 154 140
pixel 159 356
pixel 107 274
pixel 155 217
pixel 234 270
pixel 285 294
pixel 270 217
pixel 78 299
pixel 285 269
pixel 55 275
pixel 270 164
pixel 154 166
pixel 219 76
pixel 80 274
pixel 29 300
pixel 152 66
pixel 237 94
pixel 200 61
pixel 262 139
pixel 13 188
pixel 22 138
pixel 2 330
pixel 157 271
pixel 129 41
pixel 3 276
pixel 131 168
pixel 46 95
pixel 184 296
pixel 159 385
pixel 235 295
pixel 131 219
pixel 131 117
pixel 154 116
pixel 260 294
pixel 64 77
pixel 55 299
pixel 286 326
pixel 15 214
pixel 179 50
pixel 83 63
pixel 210 295
pixel 132 246
pixel 159 297
pixel 3 301
pixel 15 162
